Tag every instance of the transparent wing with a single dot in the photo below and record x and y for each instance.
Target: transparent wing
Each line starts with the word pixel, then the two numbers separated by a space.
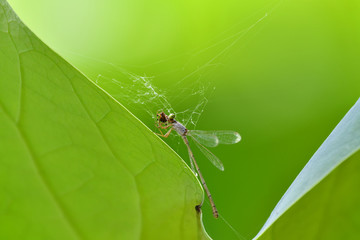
pixel 209 155
pixel 227 137
pixel 205 138
pixel 222 136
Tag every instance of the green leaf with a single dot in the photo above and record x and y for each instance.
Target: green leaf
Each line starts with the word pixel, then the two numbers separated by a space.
pixel 323 201
pixel 74 163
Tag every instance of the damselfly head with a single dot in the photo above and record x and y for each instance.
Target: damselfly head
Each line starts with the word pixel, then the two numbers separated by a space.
pixel 172 116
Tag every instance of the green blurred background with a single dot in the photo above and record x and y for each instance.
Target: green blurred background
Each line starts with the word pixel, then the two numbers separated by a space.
pixel 282 73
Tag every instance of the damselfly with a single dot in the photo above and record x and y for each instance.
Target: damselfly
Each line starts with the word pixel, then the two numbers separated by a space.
pixel 201 139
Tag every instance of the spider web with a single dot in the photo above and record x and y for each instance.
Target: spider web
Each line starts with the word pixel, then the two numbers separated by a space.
pixel 189 89
pixel 140 95
pixel 187 94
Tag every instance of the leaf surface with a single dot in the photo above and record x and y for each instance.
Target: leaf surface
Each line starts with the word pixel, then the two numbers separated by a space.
pixel 74 163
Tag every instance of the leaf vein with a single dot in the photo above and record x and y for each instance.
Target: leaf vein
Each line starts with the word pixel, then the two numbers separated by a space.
pixel 45 182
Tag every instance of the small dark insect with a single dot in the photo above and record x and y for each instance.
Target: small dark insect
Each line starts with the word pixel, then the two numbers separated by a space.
pixel 161 117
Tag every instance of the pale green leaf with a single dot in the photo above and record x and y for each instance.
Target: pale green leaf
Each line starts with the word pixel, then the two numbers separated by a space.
pixel 323 201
